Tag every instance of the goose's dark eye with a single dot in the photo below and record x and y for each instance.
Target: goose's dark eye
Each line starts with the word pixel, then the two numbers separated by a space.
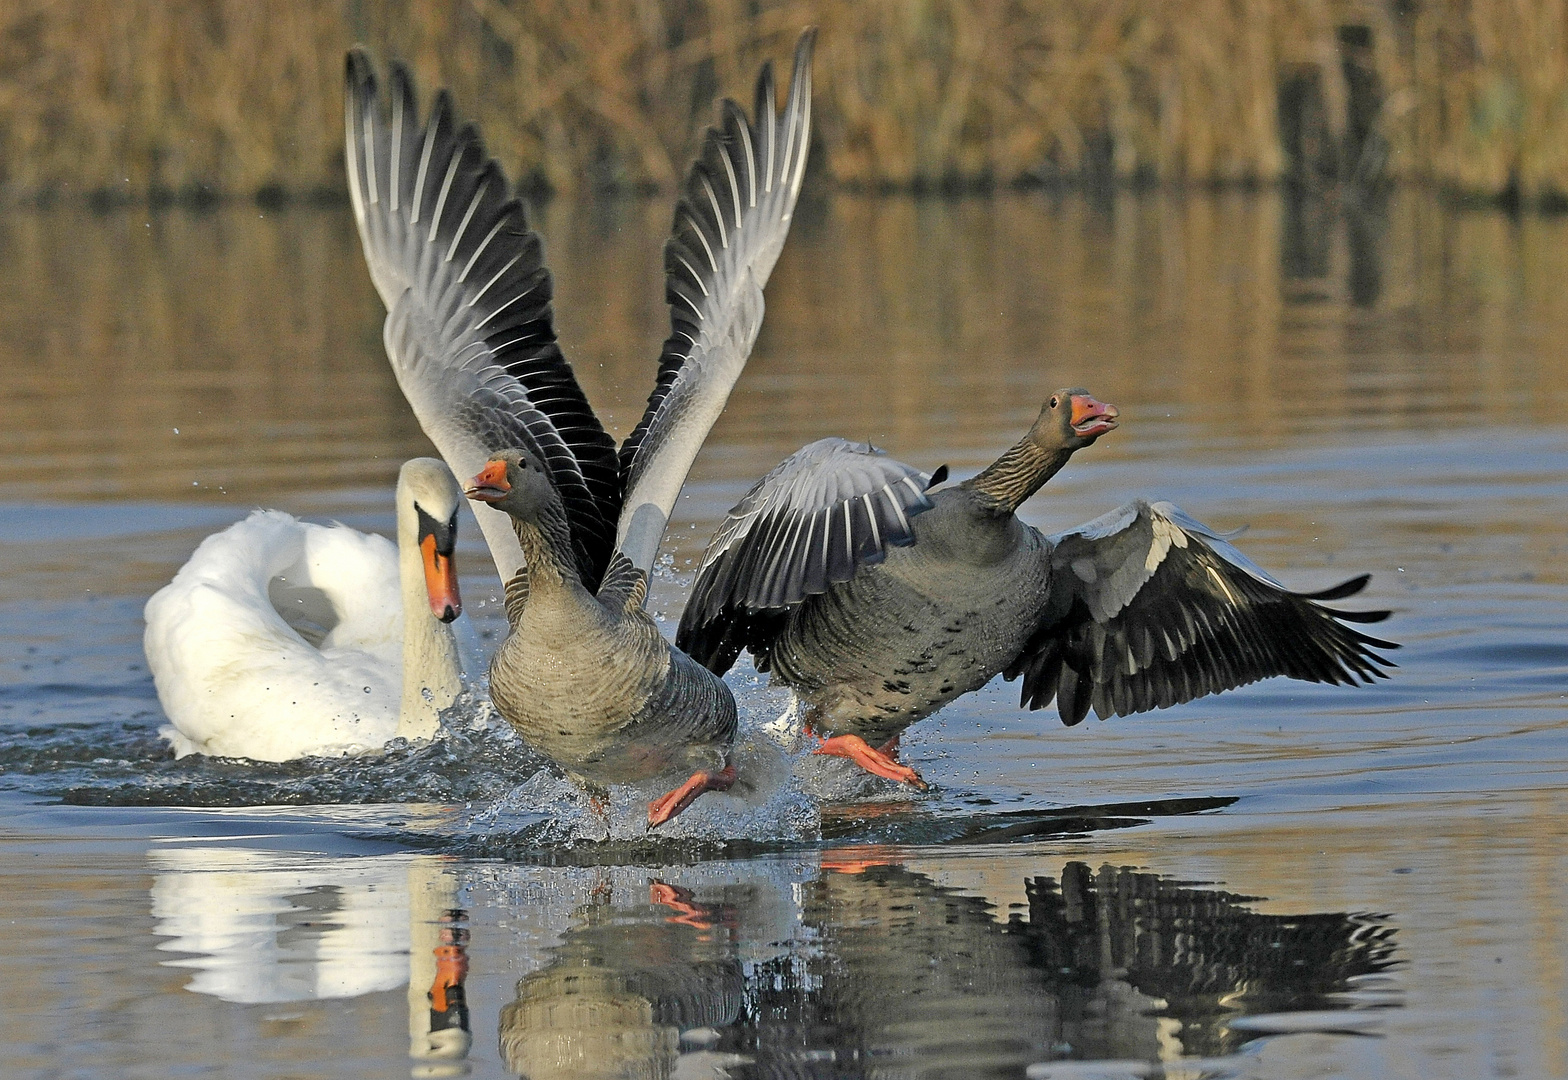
pixel 1055 402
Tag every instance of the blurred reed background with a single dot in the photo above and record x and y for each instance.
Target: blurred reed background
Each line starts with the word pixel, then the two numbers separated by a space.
pixel 130 100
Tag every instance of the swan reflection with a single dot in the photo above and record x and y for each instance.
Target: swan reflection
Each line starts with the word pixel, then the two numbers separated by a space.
pixel 438 1029
pixel 264 926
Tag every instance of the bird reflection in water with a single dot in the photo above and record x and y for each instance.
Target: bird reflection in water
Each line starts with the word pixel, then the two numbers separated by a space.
pixel 888 972
pixel 1139 958
pixel 1114 965
pixel 875 961
pixel 265 926
pixel 441 1044
pixel 633 990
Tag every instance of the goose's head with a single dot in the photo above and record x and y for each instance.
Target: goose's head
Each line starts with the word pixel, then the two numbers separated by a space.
pixel 432 490
pixel 517 482
pixel 1072 419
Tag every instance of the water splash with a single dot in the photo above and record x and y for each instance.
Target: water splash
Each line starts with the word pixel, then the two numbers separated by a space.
pixel 770 802
pixel 129 764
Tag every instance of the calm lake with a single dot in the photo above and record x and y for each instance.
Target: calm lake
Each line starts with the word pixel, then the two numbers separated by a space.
pixel 1282 881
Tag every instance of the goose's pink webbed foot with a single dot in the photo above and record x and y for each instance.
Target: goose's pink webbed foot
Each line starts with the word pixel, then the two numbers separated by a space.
pixel 878 762
pixel 665 807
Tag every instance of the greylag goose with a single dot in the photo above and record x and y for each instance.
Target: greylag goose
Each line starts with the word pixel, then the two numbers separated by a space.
pixel 878 601
pixel 281 638
pixel 470 337
pixel 585 677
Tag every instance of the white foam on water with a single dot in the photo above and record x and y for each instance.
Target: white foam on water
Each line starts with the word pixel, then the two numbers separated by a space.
pixel 772 799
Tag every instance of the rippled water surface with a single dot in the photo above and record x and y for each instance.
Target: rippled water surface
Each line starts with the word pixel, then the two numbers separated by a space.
pixel 1283 881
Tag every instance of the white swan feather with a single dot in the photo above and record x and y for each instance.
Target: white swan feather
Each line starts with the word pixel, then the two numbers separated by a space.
pixel 281 638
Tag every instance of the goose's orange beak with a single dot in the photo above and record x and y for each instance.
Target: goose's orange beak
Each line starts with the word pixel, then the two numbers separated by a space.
pixel 1092 418
pixel 490 485
pixel 440 581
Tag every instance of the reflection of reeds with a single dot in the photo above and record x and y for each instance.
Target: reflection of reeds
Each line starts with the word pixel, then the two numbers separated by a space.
pixel 131 98
pixel 938 325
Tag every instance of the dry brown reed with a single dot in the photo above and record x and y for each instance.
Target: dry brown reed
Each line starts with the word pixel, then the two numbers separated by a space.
pixel 139 98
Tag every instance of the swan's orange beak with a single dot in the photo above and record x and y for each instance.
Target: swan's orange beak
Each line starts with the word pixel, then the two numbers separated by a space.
pixel 1092 418
pixel 440 581
pixel 490 485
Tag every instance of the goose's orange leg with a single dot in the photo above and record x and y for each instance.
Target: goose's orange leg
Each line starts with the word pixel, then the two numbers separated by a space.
pixel 879 762
pixel 667 806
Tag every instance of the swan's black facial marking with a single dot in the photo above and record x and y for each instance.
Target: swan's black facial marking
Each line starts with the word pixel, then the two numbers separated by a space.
pixel 436 542
pixel 444 535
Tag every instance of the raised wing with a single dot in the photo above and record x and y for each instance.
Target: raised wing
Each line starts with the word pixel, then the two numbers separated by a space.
pixel 469 328
pixel 729 229
pixel 1152 608
pixel 828 509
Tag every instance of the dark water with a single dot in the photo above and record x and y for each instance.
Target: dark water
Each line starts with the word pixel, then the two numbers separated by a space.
pixel 1285 881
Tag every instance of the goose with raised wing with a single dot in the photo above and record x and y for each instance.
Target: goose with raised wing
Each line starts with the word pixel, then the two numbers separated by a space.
pixel 878 600
pixel 281 639
pixel 574 523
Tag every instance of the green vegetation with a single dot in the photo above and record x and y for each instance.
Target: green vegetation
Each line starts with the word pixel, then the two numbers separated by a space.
pixel 136 99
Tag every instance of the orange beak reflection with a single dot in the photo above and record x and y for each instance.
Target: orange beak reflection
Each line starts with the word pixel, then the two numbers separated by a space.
pixel 490 484
pixel 440 582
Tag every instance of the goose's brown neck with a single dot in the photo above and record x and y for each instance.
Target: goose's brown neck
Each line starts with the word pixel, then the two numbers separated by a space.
pixel 1018 474
pixel 547 547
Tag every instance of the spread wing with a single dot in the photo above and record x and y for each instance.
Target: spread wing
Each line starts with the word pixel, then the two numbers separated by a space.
pixel 469 329
pixel 729 229
pixel 1152 608
pixel 825 511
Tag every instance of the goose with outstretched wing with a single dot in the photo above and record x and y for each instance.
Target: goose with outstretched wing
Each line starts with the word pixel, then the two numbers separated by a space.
pixel 574 523
pixel 878 600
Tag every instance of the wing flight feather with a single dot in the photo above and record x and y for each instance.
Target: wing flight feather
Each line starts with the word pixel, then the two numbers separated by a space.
pixel 469 327
pixel 729 228
pixel 1152 608
pixel 825 511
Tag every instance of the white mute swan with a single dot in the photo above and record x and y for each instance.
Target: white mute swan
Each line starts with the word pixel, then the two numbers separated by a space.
pixel 280 638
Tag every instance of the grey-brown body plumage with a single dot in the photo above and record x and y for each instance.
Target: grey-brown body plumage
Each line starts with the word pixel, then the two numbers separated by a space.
pixel 934 620
pixel 587 679
pixel 598 689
